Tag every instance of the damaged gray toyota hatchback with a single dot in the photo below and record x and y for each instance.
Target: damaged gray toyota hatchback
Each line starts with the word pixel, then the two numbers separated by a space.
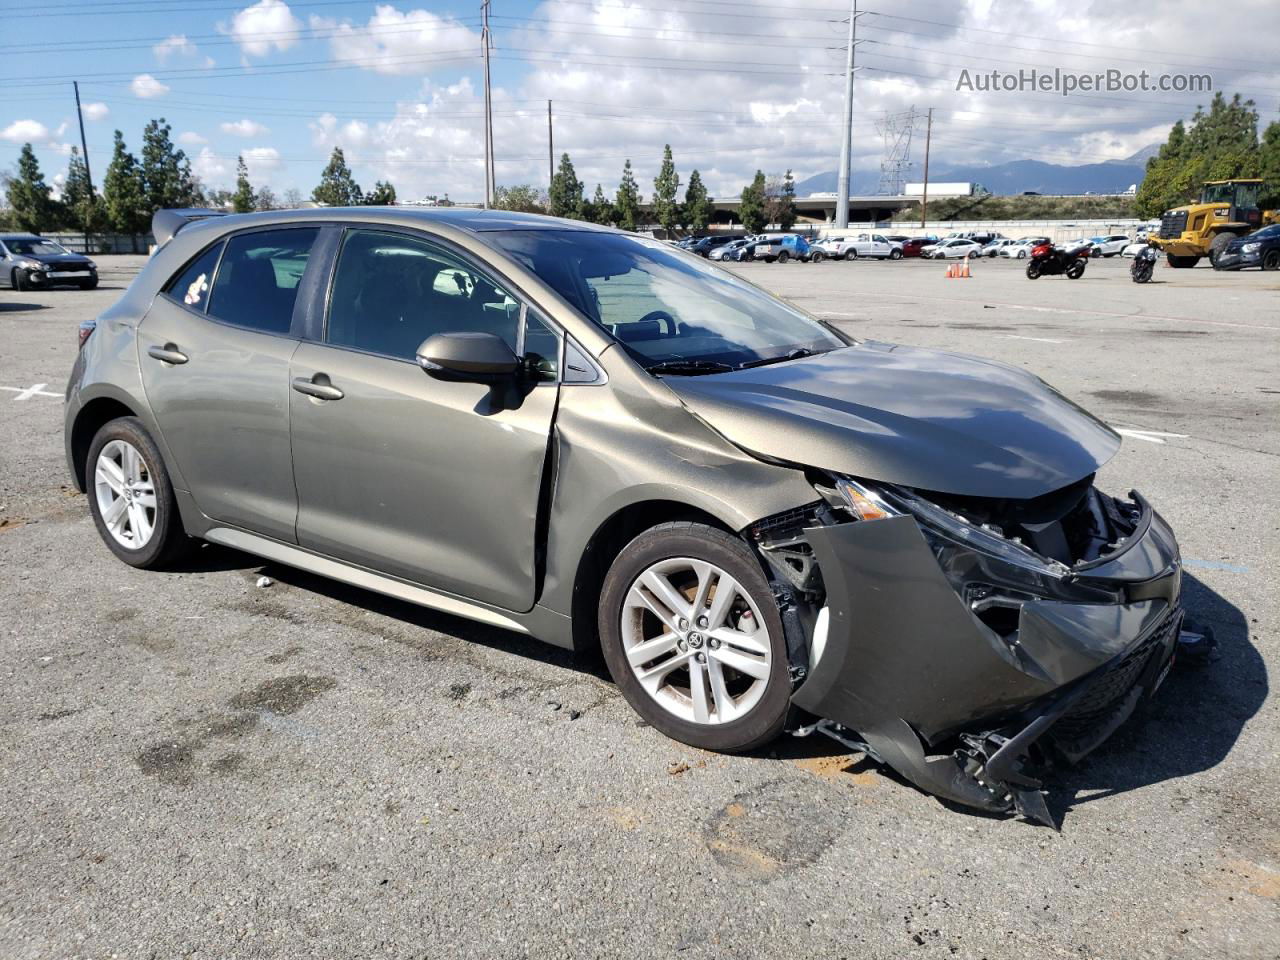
pixel 601 441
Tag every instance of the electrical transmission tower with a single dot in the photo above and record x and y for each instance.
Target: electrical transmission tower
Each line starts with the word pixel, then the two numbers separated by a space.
pixel 896 130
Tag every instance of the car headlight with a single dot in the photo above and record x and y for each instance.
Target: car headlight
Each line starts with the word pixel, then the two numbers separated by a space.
pixel 982 565
pixel 1251 248
pixel 31 264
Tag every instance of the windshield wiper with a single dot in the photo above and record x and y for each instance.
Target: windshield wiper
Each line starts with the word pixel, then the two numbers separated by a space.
pixel 688 367
pixel 796 354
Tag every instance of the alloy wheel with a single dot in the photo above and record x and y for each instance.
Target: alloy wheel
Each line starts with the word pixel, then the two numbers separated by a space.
pixel 696 641
pixel 126 494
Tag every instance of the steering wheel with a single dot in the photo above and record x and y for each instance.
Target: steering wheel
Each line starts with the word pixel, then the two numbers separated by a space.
pixel 661 315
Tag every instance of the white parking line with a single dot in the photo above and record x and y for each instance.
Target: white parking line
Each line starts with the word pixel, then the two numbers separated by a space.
pixel 1151 436
pixel 36 390
pixel 1014 336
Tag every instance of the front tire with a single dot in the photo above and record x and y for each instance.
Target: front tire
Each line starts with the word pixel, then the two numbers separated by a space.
pixel 89 284
pixel 18 280
pixel 817 257
pixel 1272 260
pixel 693 638
pixel 131 498
pixel 1033 270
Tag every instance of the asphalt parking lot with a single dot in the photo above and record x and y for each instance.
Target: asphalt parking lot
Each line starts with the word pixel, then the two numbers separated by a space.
pixel 194 765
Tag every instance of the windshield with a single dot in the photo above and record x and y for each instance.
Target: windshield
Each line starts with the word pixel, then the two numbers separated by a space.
pixel 663 306
pixel 33 247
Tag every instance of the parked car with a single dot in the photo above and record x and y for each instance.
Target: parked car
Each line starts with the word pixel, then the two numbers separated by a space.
pixel 789 246
pixel 1258 249
pixel 995 246
pixel 955 247
pixel 30 262
pixel 850 247
pixel 1022 249
pixel 741 507
pixel 725 251
pixel 1111 245
pixel 915 246
pixel 704 245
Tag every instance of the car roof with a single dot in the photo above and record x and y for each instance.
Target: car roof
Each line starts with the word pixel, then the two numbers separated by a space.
pixel 470 219
pixel 20 236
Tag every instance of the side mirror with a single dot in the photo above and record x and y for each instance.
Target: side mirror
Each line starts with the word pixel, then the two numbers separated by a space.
pixel 469 357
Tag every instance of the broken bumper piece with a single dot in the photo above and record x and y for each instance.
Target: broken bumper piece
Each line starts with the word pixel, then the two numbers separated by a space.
pixel 973 715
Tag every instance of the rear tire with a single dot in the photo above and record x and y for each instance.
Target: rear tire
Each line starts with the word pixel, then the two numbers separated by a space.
pixel 783 257
pixel 851 254
pixel 1181 263
pixel 895 255
pixel 1076 270
pixel 689 558
pixel 141 526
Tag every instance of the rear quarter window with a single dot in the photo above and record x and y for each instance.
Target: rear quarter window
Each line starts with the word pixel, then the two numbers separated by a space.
pixel 190 285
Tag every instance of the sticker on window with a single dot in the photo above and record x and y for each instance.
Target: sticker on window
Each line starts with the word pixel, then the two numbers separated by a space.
pixel 196 291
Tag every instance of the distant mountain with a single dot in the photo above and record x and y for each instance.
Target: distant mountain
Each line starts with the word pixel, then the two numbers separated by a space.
pixel 1016 176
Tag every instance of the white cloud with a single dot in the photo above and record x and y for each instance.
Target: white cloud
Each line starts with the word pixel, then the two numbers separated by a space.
pixel 261 160
pixel 25 131
pixel 172 46
pixel 210 168
pixel 267 25
pixel 95 111
pixel 244 128
pixel 191 138
pixel 400 43
pixel 147 87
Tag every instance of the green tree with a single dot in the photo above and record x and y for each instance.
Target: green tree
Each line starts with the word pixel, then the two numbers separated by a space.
pixel 1269 165
pixel 242 201
pixel 166 171
pixel 566 191
pixel 787 214
pixel 519 199
pixel 752 210
pixel 666 185
pixel 627 204
pixel 697 205
pixel 82 207
pixel 1219 144
pixel 123 192
pixel 29 196
pixel 601 209
pixel 383 194
pixel 338 187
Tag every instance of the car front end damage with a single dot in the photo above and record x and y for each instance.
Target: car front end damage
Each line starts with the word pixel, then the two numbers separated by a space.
pixel 971 643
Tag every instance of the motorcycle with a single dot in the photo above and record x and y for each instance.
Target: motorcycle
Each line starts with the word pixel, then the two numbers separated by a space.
pixel 1048 260
pixel 1144 264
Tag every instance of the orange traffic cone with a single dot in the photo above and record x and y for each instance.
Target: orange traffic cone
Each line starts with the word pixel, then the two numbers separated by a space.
pixel 950 271
pixel 964 270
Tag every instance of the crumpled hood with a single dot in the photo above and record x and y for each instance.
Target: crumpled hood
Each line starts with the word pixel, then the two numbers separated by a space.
pixel 921 418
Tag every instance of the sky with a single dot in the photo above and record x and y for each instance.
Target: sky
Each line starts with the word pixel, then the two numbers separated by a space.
pixel 732 86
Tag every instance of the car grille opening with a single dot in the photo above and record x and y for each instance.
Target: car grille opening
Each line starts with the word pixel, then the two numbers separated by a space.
pixel 1095 715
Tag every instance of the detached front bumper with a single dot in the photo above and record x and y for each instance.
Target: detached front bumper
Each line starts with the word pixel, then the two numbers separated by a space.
pixel 964 712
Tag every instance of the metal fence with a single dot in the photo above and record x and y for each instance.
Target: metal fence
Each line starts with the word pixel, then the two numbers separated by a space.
pixel 103 242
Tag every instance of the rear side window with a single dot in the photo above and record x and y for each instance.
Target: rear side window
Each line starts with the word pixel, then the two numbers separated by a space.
pixel 191 285
pixel 258 279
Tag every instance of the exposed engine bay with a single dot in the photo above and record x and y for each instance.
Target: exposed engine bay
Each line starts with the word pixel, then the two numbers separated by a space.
pixel 972 643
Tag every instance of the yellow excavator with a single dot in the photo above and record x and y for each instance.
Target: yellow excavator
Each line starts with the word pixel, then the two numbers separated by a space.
pixel 1226 209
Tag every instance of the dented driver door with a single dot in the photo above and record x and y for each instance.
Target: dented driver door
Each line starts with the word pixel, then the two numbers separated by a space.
pixel 432 481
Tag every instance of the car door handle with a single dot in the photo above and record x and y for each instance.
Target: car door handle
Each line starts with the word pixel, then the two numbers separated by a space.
pixel 321 391
pixel 168 353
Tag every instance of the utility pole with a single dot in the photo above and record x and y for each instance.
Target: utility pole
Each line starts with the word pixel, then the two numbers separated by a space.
pixel 924 200
pixel 486 42
pixel 84 147
pixel 551 148
pixel 846 134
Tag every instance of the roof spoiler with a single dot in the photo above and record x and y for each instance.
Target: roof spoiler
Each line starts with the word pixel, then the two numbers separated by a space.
pixel 165 224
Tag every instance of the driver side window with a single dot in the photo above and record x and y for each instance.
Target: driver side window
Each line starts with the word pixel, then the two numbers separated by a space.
pixel 391 292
